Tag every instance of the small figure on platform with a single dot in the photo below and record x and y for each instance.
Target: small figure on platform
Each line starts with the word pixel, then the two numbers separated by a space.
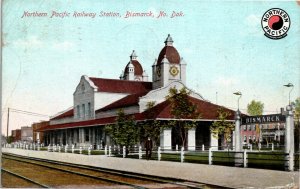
pixel 148 146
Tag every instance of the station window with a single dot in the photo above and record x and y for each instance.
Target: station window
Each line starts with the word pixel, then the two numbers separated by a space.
pixel 245 138
pixel 254 137
pixel 253 127
pixel 83 110
pixel 245 127
pixel 249 127
pixel 78 111
pixel 250 138
pixel 89 109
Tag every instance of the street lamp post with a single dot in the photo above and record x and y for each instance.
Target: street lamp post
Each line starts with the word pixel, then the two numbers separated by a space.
pixel 237 131
pixel 289 85
pixel 289 132
pixel 240 95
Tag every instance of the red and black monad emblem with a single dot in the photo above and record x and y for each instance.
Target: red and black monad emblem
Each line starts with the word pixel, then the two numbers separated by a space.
pixel 275 23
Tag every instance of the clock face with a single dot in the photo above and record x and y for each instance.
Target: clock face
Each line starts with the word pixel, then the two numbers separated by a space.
pixel 158 72
pixel 174 71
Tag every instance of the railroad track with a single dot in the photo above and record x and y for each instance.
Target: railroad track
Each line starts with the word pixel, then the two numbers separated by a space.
pixel 26 179
pixel 134 180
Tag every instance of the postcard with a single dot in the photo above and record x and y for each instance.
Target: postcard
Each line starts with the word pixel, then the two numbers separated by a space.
pixel 152 94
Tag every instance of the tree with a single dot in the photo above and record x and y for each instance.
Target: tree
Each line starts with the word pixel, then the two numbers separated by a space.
pixel 124 132
pixel 182 108
pixel 222 127
pixel 297 122
pixel 152 127
pixel 10 139
pixel 297 110
pixel 255 108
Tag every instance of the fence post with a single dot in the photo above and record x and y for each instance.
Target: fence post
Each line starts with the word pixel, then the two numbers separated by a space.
pixel 72 148
pixel 203 147
pixel 98 147
pixel 33 146
pixel 245 158
pixel 176 147
pixel 38 147
pixel 109 151
pixel 259 146
pixel 140 152
pixel 89 151
pixel 158 154
pixel 48 148
pixel 272 146
pixel 59 149
pixel 182 154
pixel 80 150
pixel 210 156
pixel 66 148
pixel 251 147
pixel 124 151
pixel 105 150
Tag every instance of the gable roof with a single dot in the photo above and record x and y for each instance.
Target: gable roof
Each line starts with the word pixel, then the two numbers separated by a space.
pixel 129 100
pixel 207 110
pixel 68 113
pixel 121 86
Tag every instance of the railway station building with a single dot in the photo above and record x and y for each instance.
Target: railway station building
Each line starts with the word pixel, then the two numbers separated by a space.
pixel 96 102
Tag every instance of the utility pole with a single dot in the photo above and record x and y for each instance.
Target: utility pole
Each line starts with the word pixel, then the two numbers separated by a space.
pixel 7 124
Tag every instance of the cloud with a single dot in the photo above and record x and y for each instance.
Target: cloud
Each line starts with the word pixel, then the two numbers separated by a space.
pixel 30 42
pixel 63 46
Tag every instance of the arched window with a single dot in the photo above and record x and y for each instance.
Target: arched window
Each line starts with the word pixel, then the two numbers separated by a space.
pixel 78 111
pixel 83 110
pixel 89 110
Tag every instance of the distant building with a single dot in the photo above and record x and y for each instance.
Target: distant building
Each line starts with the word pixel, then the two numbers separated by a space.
pixel 26 134
pixel 16 134
pixel 38 137
pixel 264 133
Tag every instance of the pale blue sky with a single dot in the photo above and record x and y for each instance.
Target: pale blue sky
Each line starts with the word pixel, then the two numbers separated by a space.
pixel 222 43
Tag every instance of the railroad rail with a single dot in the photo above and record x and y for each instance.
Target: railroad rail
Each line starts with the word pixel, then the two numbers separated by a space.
pixel 25 178
pixel 149 178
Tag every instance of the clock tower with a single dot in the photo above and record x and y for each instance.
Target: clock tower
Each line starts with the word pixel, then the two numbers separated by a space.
pixel 169 66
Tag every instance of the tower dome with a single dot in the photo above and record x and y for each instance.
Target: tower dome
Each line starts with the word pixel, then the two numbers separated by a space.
pixel 169 52
pixel 138 69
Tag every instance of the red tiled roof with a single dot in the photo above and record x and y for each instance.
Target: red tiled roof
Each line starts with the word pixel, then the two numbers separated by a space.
pixel 138 69
pixel 88 123
pixel 160 111
pixel 69 113
pixel 128 100
pixel 121 86
pixel 206 109
pixel 171 54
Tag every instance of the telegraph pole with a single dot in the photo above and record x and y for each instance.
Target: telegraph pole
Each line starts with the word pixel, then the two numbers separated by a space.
pixel 7 124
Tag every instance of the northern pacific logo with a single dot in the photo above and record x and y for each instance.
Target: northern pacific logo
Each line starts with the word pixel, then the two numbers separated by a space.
pixel 275 23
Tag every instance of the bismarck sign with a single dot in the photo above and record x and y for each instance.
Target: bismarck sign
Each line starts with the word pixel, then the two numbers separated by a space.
pixel 272 118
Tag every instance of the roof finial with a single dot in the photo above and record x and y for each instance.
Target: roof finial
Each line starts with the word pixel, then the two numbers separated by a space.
pixel 169 41
pixel 133 55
